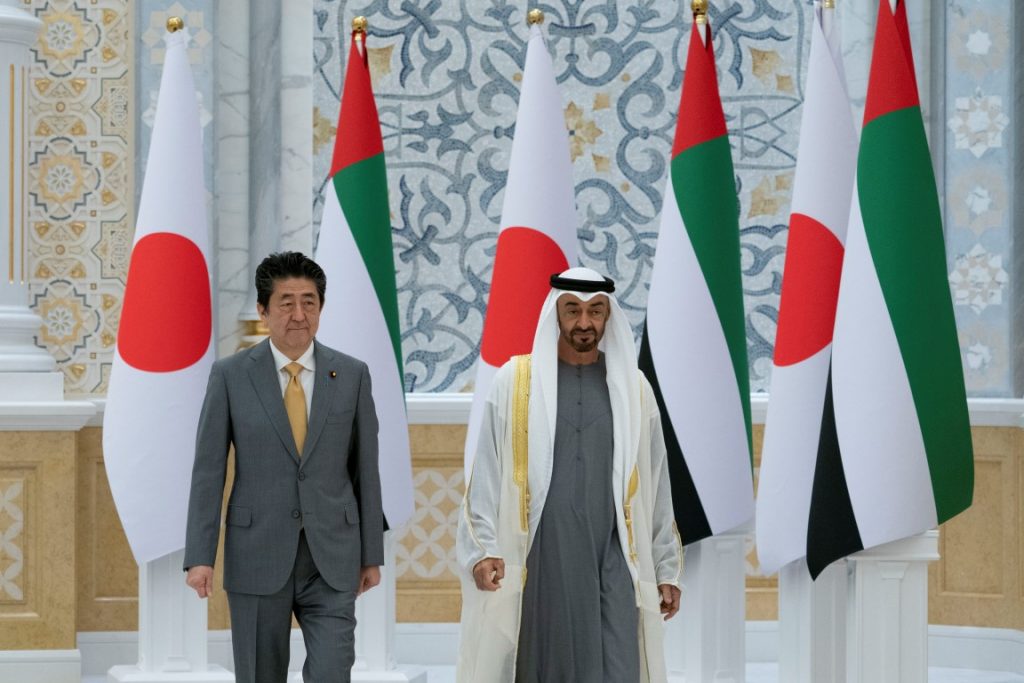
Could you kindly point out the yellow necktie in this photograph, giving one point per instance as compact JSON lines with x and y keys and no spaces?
{"x":295,"y":405}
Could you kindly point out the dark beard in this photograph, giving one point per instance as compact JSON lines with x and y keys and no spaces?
{"x":582,"y":347}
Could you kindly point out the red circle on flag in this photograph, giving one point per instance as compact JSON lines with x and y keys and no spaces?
{"x":523,"y":264}
{"x":810,"y":290}
{"x":166,"y":318}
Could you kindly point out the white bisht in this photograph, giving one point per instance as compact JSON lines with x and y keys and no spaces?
{"x":164,"y":342}
{"x":501,"y":511}
{"x":538,"y":226}
{"x":823,"y":187}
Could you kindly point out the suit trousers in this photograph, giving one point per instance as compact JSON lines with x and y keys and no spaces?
{"x":261,"y":627}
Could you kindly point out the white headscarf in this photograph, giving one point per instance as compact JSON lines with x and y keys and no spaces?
{"x":623,"y":388}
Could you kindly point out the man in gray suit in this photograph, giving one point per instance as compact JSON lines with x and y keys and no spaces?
{"x":304,"y":532}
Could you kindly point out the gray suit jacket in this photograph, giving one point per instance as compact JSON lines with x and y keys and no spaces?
{"x":333,"y":490}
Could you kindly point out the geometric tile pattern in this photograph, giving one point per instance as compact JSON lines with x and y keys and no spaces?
{"x":447,"y":77}
{"x":979,"y":199}
{"x":81,"y":199}
{"x":425,"y":547}
{"x":12,"y":520}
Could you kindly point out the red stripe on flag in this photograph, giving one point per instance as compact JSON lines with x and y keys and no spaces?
{"x":358,"y":135}
{"x":891,"y":84}
{"x":810,"y":290}
{"x":166,"y":317}
{"x":700,"y":110}
{"x":523,"y":264}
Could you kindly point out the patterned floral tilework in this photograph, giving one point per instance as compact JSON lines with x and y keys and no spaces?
{"x":80,"y":182}
{"x":978,"y":201}
{"x":447,"y":81}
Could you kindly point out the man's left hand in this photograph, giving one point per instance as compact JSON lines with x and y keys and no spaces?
{"x":669,"y":599}
{"x":368,"y":578}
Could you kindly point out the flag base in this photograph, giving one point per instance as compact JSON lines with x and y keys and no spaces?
{"x":172,"y":630}
{"x":375,"y":630}
{"x":812,"y":623}
{"x":133,"y":674}
{"x":705,"y":642}
{"x":888,"y":611}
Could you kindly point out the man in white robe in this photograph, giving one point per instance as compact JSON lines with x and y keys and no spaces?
{"x":567,"y":543}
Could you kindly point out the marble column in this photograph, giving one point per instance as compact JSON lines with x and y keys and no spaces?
{"x":231,"y":170}
{"x":281,"y":133}
{"x":27,"y":371}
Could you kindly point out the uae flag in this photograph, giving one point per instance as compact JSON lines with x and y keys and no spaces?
{"x":360,"y":315}
{"x":164,"y":346}
{"x":694,"y":347}
{"x":896,"y":459}
{"x":826,"y":161}
{"x":538,"y":227}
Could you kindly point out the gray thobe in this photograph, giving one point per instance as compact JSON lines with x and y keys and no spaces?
{"x":579,"y":617}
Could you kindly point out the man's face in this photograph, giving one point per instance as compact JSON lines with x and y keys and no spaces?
{"x":581,"y":323}
{"x":293,"y":314}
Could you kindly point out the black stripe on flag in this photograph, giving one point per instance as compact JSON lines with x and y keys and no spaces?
{"x":690,"y":517}
{"x":832,"y":531}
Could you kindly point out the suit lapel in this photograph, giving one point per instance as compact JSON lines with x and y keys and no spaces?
{"x":263,"y":375}
{"x":324,"y":387}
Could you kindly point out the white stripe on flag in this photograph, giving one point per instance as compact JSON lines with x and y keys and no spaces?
{"x":880,"y":441}
{"x":352,"y":322}
{"x":696,"y":376}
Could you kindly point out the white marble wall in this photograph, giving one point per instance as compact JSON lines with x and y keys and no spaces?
{"x":281,"y":130}
{"x":296,"y":95}
{"x":231,"y":173}
{"x":857,"y":18}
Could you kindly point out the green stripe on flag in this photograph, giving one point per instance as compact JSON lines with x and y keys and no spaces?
{"x":705,"y":190}
{"x":363,"y":194}
{"x":900,"y":206}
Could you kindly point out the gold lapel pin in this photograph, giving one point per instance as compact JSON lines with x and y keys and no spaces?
{"x":333,"y":374}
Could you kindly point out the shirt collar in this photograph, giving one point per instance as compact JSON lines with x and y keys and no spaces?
{"x":306,"y":360}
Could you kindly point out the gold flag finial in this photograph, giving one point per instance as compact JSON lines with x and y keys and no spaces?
{"x":175,"y":24}
{"x":359,"y":24}
{"x":700,"y":11}
{"x":534,"y":16}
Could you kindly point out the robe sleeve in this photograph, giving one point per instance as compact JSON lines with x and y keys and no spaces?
{"x":666,"y":546}
{"x":477,"y":536}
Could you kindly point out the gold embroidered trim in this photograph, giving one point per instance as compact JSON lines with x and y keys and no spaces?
{"x":634,"y":484}
{"x":520,"y":437}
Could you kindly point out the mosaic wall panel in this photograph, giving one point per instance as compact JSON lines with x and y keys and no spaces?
{"x":81,"y":182}
{"x":447,"y":78}
{"x":979,"y":202}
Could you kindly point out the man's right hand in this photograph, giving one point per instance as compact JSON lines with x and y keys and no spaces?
{"x":488,"y":573}
{"x":200,"y":579}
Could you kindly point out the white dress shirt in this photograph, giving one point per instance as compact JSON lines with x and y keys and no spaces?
{"x":308,"y":363}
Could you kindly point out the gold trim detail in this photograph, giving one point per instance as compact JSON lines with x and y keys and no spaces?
{"x":10,"y":183}
{"x":24,"y":164}
{"x":521,"y":437}
{"x":627,"y":509}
